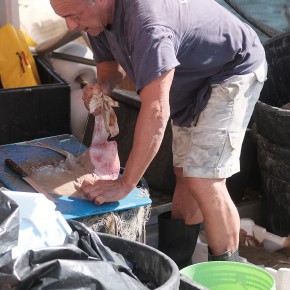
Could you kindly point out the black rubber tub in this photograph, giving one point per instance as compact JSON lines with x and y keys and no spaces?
{"x":273,"y":123}
{"x":274,"y":162}
{"x":149,"y":263}
{"x":271,"y":114}
{"x":272,"y":126}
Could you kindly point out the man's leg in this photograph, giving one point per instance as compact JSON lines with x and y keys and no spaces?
{"x":184,"y":205}
{"x":206,"y":153}
{"x":221,"y":218}
{"x":179,"y":229}
{"x":199,"y":199}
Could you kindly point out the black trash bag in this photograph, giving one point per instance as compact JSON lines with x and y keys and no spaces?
{"x":83,"y":262}
{"x":9,"y":227}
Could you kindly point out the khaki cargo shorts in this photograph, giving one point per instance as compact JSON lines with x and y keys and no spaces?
{"x":211,"y":147}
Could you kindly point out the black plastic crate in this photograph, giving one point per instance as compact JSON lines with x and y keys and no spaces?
{"x":28,"y":113}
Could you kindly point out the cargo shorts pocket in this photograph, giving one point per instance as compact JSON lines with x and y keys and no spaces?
{"x":206,"y":148}
{"x":236,"y":139}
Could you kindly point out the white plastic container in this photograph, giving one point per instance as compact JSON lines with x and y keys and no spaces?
{"x":281,"y":276}
{"x":270,"y":241}
{"x":40,"y":225}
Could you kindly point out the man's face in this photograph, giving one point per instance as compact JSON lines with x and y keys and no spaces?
{"x":81,"y":15}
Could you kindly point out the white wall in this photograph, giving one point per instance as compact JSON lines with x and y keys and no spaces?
{"x":9,"y":12}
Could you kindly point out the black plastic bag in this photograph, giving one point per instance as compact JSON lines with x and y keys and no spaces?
{"x":9,"y":227}
{"x":83,"y":262}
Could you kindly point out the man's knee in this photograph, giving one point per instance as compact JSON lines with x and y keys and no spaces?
{"x":206,"y":186}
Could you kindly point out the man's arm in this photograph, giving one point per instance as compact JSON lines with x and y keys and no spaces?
{"x":109,"y":74}
{"x":150,"y":127}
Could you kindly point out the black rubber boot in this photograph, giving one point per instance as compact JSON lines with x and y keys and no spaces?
{"x":176,"y":239}
{"x":227,"y":256}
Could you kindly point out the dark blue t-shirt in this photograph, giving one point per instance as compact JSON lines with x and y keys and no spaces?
{"x":203,"y":41}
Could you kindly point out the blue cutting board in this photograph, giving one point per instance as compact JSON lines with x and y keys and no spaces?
{"x":26,"y":155}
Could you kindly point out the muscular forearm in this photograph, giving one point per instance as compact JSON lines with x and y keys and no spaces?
{"x":148,"y":136}
{"x":150,"y":128}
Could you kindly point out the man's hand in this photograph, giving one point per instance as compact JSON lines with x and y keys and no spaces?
{"x":89,"y":91}
{"x":100,"y":191}
{"x":109,"y":74}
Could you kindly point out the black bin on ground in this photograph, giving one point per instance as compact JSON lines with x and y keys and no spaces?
{"x":274,"y":161}
{"x":28,"y":113}
{"x":149,"y":262}
{"x":272,"y":125}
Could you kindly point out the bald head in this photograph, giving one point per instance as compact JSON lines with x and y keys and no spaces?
{"x":91,"y":16}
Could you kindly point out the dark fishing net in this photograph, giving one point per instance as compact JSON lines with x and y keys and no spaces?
{"x":268,"y":17}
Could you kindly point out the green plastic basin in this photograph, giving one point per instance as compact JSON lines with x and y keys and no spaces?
{"x":229,"y":276}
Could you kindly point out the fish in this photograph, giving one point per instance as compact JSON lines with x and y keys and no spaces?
{"x":103,"y":154}
{"x":100,"y":161}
